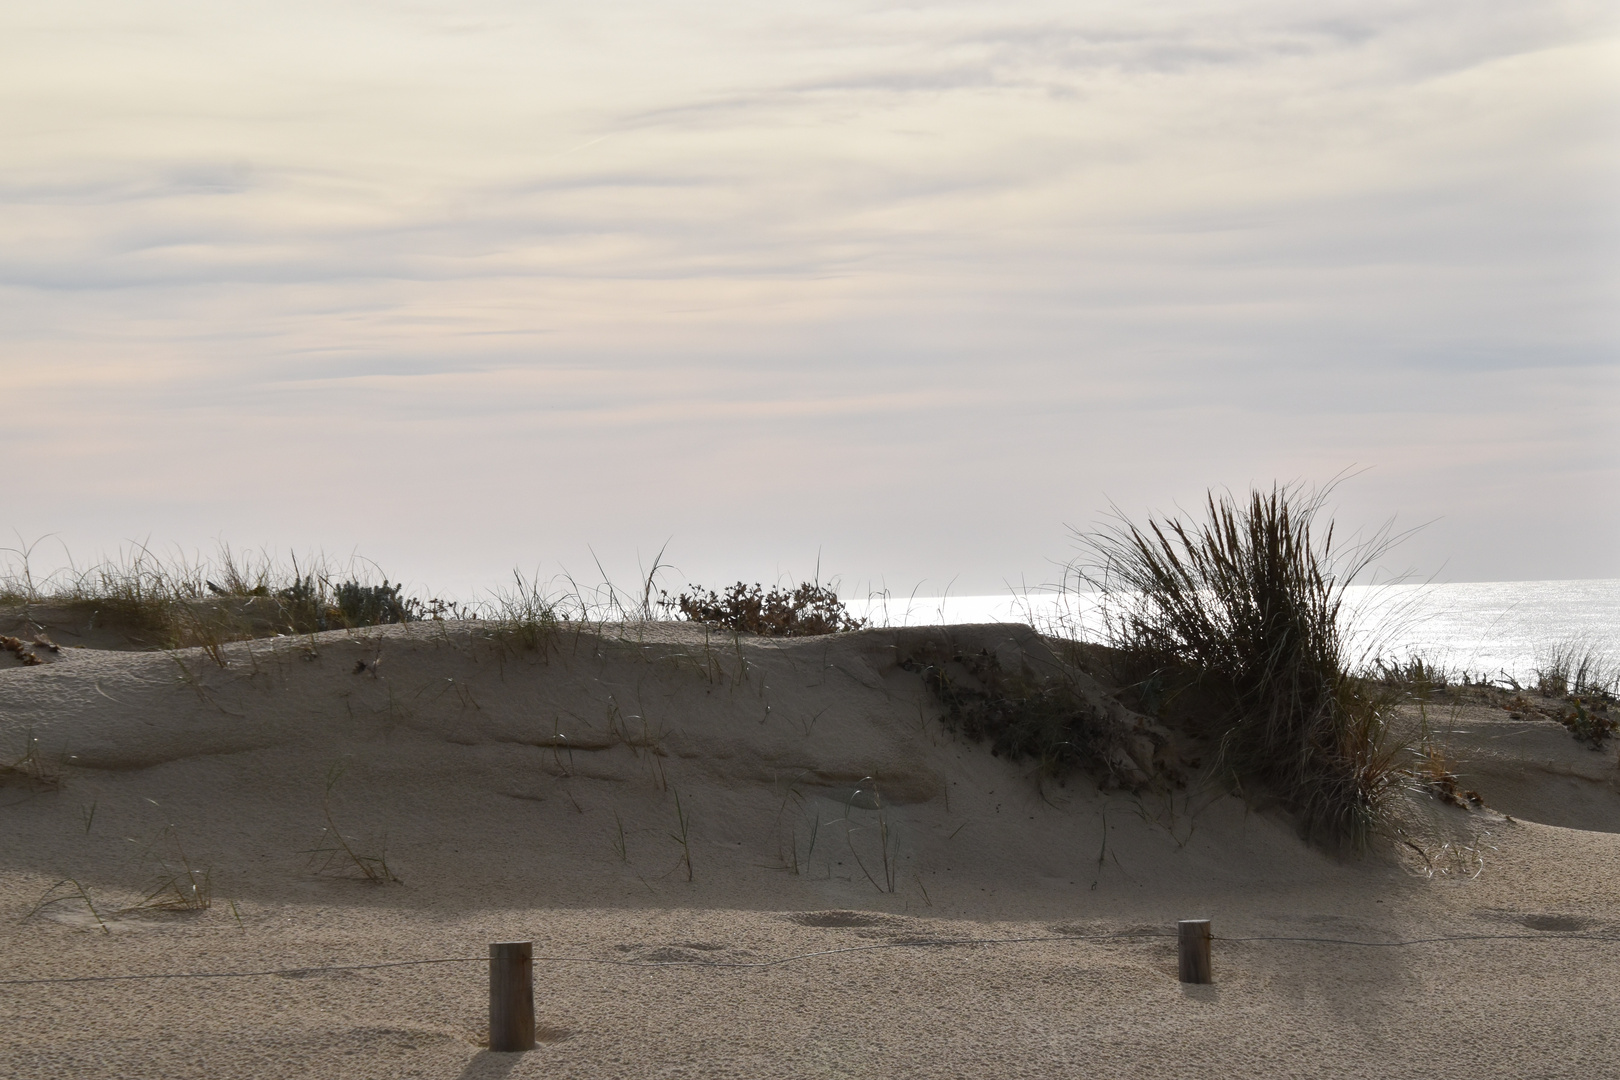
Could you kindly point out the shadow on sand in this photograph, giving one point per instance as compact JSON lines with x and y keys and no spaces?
{"x":489,"y":1065}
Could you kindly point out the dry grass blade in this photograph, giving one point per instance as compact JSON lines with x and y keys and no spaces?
{"x":682,"y":836}
{"x":56,"y":894}
{"x":180,"y":886}
{"x":31,"y":768}
{"x":335,"y":852}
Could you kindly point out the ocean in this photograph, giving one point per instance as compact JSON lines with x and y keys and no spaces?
{"x":1495,"y":630}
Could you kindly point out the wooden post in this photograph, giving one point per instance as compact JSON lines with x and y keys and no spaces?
{"x":511,"y":995}
{"x":1192,"y":936}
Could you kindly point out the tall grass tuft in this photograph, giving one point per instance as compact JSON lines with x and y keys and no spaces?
{"x":1243,"y":612}
{"x":1577,"y":667}
{"x":525,"y":615}
{"x":177,"y":602}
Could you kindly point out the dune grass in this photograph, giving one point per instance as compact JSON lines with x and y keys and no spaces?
{"x":1577,"y":668}
{"x":1415,"y":674}
{"x":524,"y":615}
{"x":179,"y":602}
{"x":1242,"y":612}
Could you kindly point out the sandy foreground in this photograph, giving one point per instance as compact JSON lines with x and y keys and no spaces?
{"x":523,"y":794}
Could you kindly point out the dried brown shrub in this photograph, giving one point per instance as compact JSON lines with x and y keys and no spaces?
{"x":810,"y":609}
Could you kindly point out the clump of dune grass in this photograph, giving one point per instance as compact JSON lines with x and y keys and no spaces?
{"x":180,"y":602}
{"x":1416,"y":674}
{"x":1576,"y":667}
{"x":1242,"y":611}
{"x":1433,"y":772}
{"x":179,"y":885}
{"x":809,"y":609}
{"x":1587,"y":681}
{"x":524,"y":615}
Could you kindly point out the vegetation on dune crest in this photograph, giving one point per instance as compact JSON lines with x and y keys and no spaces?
{"x":1577,"y":668}
{"x":176,"y":602}
{"x":1233,"y":623}
{"x":155,"y":602}
{"x":1242,"y":613}
{"x":810,"y":609}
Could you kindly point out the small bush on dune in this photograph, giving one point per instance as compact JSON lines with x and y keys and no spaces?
{"x":1023,"y":716}
{"x":1588,"y":719}
{"x":315,"y":603}
{"x":1243,"y":610}
{"x":810,"y":609}
{"x":371,"y":605}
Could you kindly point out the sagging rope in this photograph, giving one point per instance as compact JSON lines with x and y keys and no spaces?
{"x":757,"y":964}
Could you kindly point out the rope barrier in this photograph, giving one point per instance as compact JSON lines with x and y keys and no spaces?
{"x":240,"y":974}
{"x":942,"y":943}
{"x":1433,"y":940}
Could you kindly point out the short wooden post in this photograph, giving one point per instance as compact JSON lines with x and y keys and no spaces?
{"x":1192,"y":937}
{"x":511,"y":995}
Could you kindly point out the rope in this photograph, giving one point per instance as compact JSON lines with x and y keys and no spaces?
{"x":1433,"y":940}
{"x":944,"y":943}
{"x":239,"y":974}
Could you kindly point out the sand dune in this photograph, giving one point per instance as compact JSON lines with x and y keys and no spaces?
{"x":660,"y":793}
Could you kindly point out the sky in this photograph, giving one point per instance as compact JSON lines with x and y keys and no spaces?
{"x":904,"y":291}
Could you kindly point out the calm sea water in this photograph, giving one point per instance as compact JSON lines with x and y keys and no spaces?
{"x":1492,"y":629}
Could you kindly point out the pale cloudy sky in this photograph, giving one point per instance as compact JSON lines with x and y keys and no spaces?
{"x":474,"y":285}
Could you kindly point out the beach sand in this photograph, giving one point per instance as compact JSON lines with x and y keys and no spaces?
{"x":522,"y":794}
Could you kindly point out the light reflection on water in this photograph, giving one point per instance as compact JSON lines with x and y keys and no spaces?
{"x":1487,"y":628}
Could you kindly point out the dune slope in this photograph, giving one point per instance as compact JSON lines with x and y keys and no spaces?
{"x":665,"y":794}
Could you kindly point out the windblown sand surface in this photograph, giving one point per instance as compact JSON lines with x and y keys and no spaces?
{"x":518,"y":794}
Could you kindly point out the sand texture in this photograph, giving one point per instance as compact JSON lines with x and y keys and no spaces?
{"x":650,"y":802}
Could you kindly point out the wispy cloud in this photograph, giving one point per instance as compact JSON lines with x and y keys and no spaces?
{"x":642,"y":232}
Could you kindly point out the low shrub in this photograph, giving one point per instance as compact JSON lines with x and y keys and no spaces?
{"x":1024,"y":717}
{"x":1588,"y":719}
{"x":810,"y":609}
{"x":371,"y":605}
